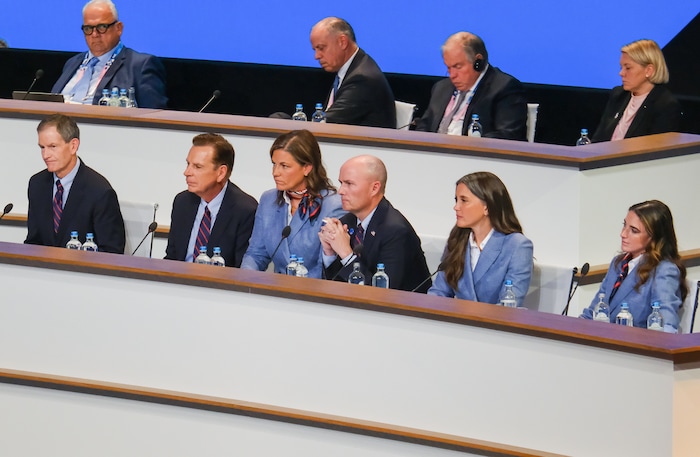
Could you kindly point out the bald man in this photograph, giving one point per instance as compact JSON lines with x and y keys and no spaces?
{"x":372,"y":232}
{"x":475,"y":87}
{"x":361,"y":94}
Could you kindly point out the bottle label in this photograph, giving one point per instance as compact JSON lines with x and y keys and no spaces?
{"x":508,"y":303}
{"x":601,"y":317}
{"x":655,"y":326}
{"x":624,"y":321}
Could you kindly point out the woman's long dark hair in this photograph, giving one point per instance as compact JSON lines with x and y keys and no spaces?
{"x":488,"y":188}
{"x":302,"y":145}
{"x":658,"y":222}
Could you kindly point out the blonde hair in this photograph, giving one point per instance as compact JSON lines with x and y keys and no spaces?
{"x":647,"y":52}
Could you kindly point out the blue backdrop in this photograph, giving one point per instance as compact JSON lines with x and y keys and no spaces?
{"x":541,"y":41}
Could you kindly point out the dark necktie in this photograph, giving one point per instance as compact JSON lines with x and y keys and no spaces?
{"x":203,"y":233}
{"x":57,"y":206}
{"x":447,"y":120}
{"x":623,"y":275}
{"x":359,"y":235}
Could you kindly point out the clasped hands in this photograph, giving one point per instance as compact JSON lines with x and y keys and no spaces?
{"x":335,"y":238}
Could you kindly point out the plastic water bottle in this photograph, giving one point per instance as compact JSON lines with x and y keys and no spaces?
{"x":203,"y":258}
{"x":601,"y":311}
{"x":356,"y":277}
{"x":74,"y":242}
{"x":319,"y":115}
{"x":508,"y":299}
{"x":299,"y":113}
{"x":104,"y":100}
{"x":624,"y":317}
{"x":89,"y":244}
{"x":123,"y":99}
{"x":302,"y":271}
{"x":217,"y":260}
{"x":114,"y":99}
{"x":380,"y":278}
{"x":655,"y":321}
{"x":292,"y":266}
{"x":584,"y":140}
{"x":132,"y":98}
{"x":474,"y":128}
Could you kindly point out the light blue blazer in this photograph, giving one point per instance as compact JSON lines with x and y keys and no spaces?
{"x":270,"y":220}
{"x":663,"y":286}
{"x":504,"y":257}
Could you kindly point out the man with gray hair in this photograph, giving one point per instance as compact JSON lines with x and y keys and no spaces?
{"x":361,"y":94}
{"x":70,"y":196}
{"x":108,"y":63}
{"x":372,"y":232}
{"x":475,"y":87}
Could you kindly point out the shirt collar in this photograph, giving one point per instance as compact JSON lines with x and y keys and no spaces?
{"x":67,"y":180}
{"x":344,"y":69}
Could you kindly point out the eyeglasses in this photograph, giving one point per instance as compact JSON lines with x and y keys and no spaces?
{"x":101,"y":28}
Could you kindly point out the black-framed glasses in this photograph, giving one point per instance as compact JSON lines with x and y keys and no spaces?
{"x":101,"y":28}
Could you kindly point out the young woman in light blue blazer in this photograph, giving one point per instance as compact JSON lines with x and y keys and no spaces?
{"x":302,"y":198}
{"x":654,"y":269}
{"x":486,"y":246}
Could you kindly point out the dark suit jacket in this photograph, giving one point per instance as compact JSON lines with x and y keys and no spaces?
{"x":364,"y":96}
{"x":130,"y":69}
{"x":660,"y":113}
{"x":391,"y":240}
{"x":499,"y":101}
{"x":231,"y":231}
{"x":92,"y":206}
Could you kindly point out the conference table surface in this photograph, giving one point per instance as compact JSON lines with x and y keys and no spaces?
{"x":592,"y":156}
{"x":677,"y":348}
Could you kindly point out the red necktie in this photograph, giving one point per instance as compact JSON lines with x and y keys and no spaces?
{"x":623,"y":275}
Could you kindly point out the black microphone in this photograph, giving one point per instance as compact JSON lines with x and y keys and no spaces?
{"x":574,"y":282}
{"x":7,"y":209}
{"x":151,"y":228}
{"x":216,"y":94}
{"x":695,"y":308}
{"x":357,"y":250}
{"x":39,"y":73}
{"x":285,"y":233}
{"x":439,"y":268}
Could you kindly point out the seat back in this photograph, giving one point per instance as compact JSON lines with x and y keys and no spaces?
{"x":688,"y":311}
{"x":404,"y":114}
{"x":137,"y":217}
{"x":532,"y":109}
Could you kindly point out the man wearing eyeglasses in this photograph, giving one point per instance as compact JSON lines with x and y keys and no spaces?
{"x":108,"y":63}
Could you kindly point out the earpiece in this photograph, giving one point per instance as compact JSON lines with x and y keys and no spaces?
{"x":478,"y":63}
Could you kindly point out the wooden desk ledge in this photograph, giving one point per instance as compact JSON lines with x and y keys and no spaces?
{"x":267,"y":412}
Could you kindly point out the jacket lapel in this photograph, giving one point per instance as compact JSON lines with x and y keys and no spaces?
{"x":488,"y":256}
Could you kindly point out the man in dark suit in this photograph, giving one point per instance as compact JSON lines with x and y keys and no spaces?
{"x":475,"y":87}
{"x":212,"y":212}
{"x":383,"y":232}
{"x":69,"y":195}
{"x":361,"y":94}
{"x":107,"y":63}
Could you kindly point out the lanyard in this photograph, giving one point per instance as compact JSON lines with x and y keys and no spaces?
{"x":83,"y":66}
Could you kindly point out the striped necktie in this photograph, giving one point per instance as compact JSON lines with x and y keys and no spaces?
{"x":57,"y":206}
{"x":203,"y":233}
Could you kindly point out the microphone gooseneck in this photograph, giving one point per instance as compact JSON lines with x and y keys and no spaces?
{"x":216,"y":94}
{"x":151,"y":228}
{"x":39,"y":73}
{"x":285,"y":234}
